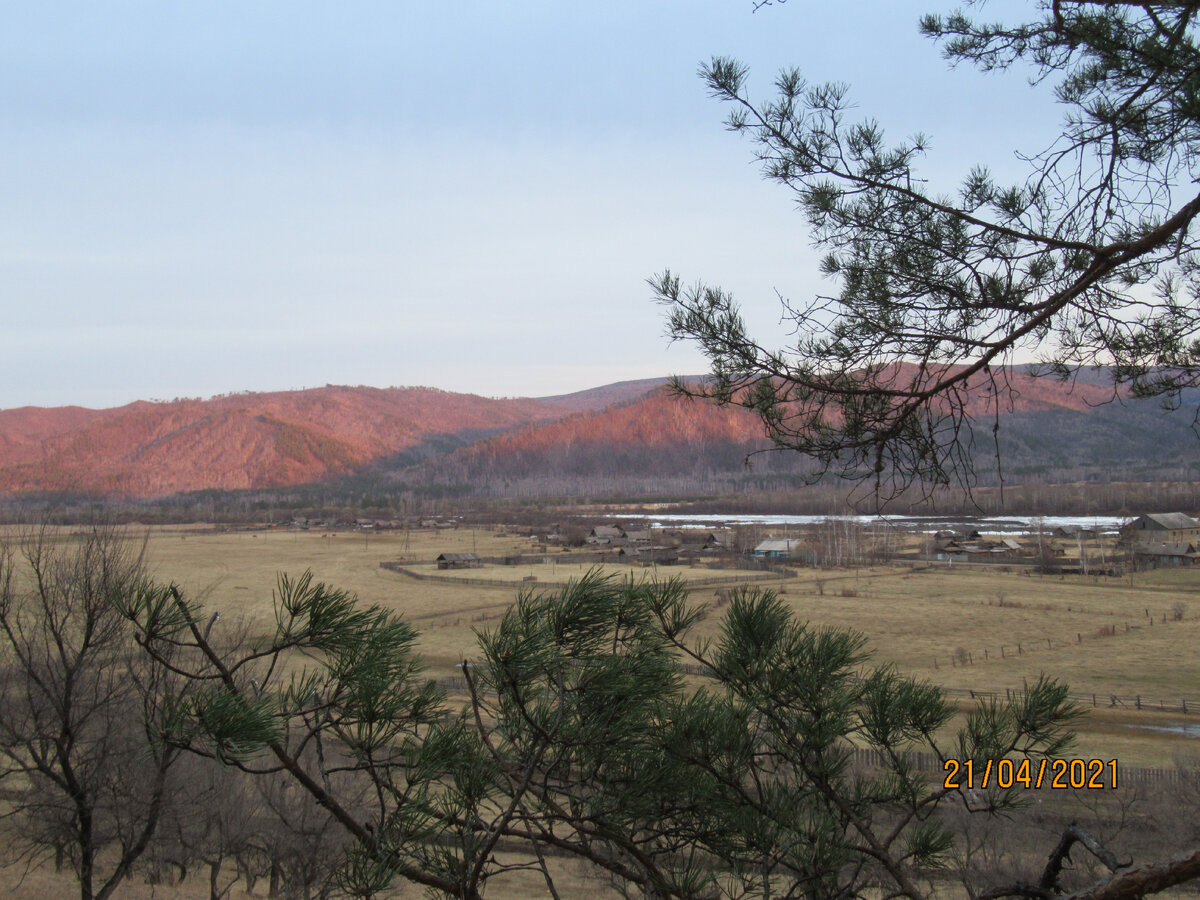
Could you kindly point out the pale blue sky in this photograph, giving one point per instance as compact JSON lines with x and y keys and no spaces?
{"x":203,"y":197}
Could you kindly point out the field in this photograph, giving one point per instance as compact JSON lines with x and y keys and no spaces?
{"x":986,"y":629}
{"x":1006,"y":625}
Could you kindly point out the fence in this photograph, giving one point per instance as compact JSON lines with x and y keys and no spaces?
{"x":1043,"y":644}
{"x":1141,"y":702}
{"x":496,"y":582}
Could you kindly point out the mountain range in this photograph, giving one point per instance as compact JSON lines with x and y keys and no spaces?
{"x":626,"y":437}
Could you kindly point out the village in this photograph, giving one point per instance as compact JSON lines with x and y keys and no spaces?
{"x":1152,"y":540}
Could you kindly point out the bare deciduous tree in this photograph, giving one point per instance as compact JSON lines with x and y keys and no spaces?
{"x":78,"y":706}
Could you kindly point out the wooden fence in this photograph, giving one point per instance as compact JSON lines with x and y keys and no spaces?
{"x":1026,"y":645}
{"x":496,"y":582}
{"x":1140,"y":702}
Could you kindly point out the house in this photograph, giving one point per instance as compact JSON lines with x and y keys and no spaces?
{"x":458,"y":561}
{"x":1074,"y":532}
{"x":974,"y":549}
{"x":657,"y":556}
{"x":1166,"y":553}
{"x":700,"y":539}
{"x":982,"y":550}
{"x":605,"y":534}
{"x":955,"y":538}
{"x":776,"y":548}
{"x":1171,"y":528}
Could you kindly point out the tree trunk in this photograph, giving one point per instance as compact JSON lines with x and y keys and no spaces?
{"x":214,"y":878}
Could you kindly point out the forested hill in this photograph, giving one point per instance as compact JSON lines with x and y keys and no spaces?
{"x":659,"y":444}
{"x":240,"y":441}
{"x":629,"y":437}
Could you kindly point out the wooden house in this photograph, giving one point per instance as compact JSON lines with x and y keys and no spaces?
{"x":459,"y":561}
{"x":776,"y":548}
{"x":1169,"y":528}
{"x":605,"y":534}
{"x":1166,"y":553}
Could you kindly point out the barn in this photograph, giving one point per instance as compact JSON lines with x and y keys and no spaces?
{"x":458,"y":561}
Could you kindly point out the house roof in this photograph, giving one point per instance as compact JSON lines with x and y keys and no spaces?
{"x":458,"y":557}
{"x":1164,"y":548}
{"x":1171,"y":521}
{"x":782,"y":545}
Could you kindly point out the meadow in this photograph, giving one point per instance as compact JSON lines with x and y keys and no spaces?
{"x":987,"y":629}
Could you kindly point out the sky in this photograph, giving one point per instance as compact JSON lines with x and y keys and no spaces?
{"x":199,"y":198}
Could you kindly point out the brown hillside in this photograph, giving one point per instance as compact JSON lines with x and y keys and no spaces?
{"x":286,"y":438}
{"x":28,"y":426}
{"x":657,"y":420}
{"x":1013,"y":390}
{"x":661,"y":444}
{"x":660,"y":419}
{"x":240,"y":441}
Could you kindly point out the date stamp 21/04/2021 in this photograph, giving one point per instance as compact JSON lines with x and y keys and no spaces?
{"x":1058,"y":774}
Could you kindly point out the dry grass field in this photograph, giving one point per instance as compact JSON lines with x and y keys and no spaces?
{"x":967,"y":628}
{"x":1094,"y":632}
